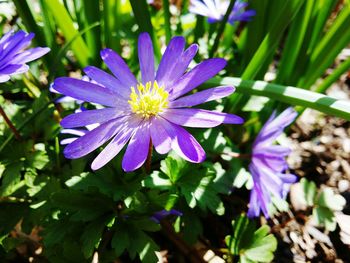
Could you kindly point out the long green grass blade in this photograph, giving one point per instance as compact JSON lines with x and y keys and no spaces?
{"x":288,"y":94}
{"x":167,"y":20}
{"x":295,"y":39}
{"x":322,"y":10}
{"x":327,"y":50}
{"x":334,"y":76}
{"x":143,"y":19}
{"x":66,"y":24}
{"x":111,"y":16}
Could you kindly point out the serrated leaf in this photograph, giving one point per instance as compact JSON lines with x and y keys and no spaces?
{"x":120,"y":240}
{"x":329,"y":199}
{"x":323,"y":216}
{"x":172,"y":167}
{"x":91,"y":237}
{"x":11,"y":181}
{"x":309,"y":189}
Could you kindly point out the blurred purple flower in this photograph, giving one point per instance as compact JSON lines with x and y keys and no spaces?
{"x":158,"y":216}
{"x":268,"y":164}
{"x":13,"y":57}
{"x":151,"y":110}
{"x":215,"y":10}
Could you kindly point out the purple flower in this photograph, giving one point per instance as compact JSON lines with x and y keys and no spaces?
{"x":158,"y":216}
{"x":268,"y":164}
{"x":215,"y":10}
{"x":152,"y":110}
{"x":13,"y":57}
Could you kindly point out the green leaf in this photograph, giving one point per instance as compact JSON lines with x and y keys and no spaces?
{"x":120,"y":240}
{"x":288,"y":94}
{"x":309,"y":189}
{"x":91,"y":237}
{"x":329,"y":199}
{"x":65,"y":23}
{"x":323,"y":216}
{"x":172,"y":167}
{"x":262,"y":247}
{"x":250,"y":244}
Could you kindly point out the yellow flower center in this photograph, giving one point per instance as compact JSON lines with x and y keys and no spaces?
{"x":148,"y":100}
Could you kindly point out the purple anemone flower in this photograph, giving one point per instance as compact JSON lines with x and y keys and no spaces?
{"x":141,"y":112}
{"x":215,"y":10}
{"x":268,"y":164}
{"x":13,"y":57}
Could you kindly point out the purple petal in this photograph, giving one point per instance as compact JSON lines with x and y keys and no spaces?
{"x":202,"y":97}
{"x":15,"y":43}
{"x":86,"y":91}
{"x":274,"y":127}
{"x":30,"y":55}
{"x":198,"y":75}
{"x":107,"y":80}
{"x":118,"y":67}
{"x":183,"y":143}
{"x":10,"y":69}
{"x":171,"y":54}
{"x":262,"y":196}
{"x":200,"y":118}
{"x":146,"y":57}
{"x":113,"y":148}
{"x":181,"y":64}
{"x":4,"y":78}
{"x":90,"y":117}
{"x":254,"y":206}
{"x":160,"y":138}
{"x":137,"y":151}
{"x":93,"y":139}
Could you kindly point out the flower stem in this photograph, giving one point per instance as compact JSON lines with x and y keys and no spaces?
{"x":149,"y":158}
{"x":221,"y":29}
{"x":238,"y":155}
{"x":167,"y":17}
{"x":9,"y":123}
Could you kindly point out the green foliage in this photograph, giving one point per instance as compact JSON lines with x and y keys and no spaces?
{"x":249,"y":243}
{"x":109,"y":213}
{"x":324,"y":203}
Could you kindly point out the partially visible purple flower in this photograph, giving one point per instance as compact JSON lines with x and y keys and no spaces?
{"x":152,"y":110}
{"x":268,"y":164}
{"x":215,"y":10}
{"x":13,"y":57}
{"x":158,"y":216}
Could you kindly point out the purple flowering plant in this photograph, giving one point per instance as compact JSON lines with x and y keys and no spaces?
{"x":150,"y":110}
{"x":268,"y":164}
{"x":215,"y":10}
{"x":161,"y":110}
{"x":14,"y":55}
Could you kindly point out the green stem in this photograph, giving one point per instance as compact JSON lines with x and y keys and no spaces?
{"x":9,"y":123}
{"x":30,"y":119}
{"x":221,"y":29}
{"x":167,"y":20}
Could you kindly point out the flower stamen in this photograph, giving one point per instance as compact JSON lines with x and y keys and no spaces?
{"x":148,"y":100}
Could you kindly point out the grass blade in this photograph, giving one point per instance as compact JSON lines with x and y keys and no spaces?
{"x":287,"y":94}
{"x":66,"y":24}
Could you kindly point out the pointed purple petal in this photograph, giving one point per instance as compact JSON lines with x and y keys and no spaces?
{"x":137,"y":151}
{"x":200,"y":118}
{"x":146,"y":57}
{"x":93,"y":139}
{"x":86,"y":91}
{"x":90,"y":117}
{"x":107,"y":80}
{"x":30,"y":55}
{"x":198,"y":75}
{"x":118,"y":67}
{"x":160,"y":138}
{"x":202,"y":97}
{"x":183,"y":143}
{"x":171,"y":54}
{"x":113,"y":148}
{"x":181,"y":64}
